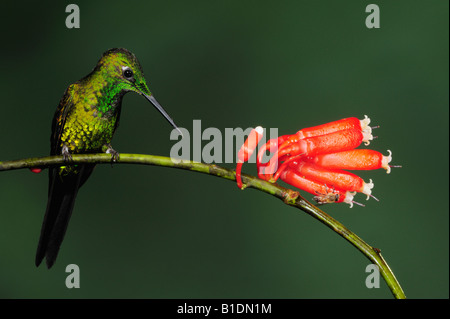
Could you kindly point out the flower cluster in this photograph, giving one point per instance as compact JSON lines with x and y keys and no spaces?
{"x":316,"y":159}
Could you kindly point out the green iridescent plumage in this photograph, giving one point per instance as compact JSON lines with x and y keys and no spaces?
{"x":97,"y":99}
{"x":84,"y":122}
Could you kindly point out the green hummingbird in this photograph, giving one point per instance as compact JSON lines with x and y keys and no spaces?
{"x":84,"y":122}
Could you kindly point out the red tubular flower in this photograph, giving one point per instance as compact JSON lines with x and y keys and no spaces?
{"x":323,"y":194}
{"x":333,"y":142}
{"x":315,"y":159}
{"x":344,"y":124}
{"x":271,"y":145}
{"x":331,"y":137}
{"x":247,"y":150}
{"x":336,"y":178}
{"x":332,"y":127}
{"x":360,"y":159}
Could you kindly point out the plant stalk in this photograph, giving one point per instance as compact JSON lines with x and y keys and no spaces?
{"x":289,"y":197}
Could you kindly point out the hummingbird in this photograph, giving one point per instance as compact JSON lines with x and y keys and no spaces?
{"x":84,"y":122}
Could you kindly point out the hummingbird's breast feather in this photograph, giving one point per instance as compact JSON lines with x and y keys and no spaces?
{"x":82,"y":134}
{"x":86,"y":128}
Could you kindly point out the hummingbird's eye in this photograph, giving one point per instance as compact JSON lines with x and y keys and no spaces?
{"x":128,"y":74}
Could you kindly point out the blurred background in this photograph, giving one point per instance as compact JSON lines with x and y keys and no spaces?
{"x":154,"y":232}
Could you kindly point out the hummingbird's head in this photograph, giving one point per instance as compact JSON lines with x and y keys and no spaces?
{"x":124,"y":70}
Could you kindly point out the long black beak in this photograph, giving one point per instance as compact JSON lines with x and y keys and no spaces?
{"x":162,"y":111}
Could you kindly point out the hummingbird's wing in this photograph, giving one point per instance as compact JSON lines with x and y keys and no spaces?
{"x":59,"y":119}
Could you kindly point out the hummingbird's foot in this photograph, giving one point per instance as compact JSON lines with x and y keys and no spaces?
{"x":107,"y":148}
{"x":66,"y":154}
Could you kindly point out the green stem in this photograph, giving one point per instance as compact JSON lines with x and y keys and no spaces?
{"x":288,"y":196}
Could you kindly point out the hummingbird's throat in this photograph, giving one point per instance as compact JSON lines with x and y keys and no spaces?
{"x":109,"y":99}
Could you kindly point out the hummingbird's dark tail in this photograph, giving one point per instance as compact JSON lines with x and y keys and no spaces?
{"x":61,"y":199}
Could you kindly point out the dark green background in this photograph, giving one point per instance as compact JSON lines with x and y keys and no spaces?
{"x":153,"y":232}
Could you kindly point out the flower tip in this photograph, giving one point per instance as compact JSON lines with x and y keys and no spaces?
{"x":259,"y":130}
{"x":367,"y":136}
{"x":367,"y":189}
{"x":385,"y":162}
{"x":366,"y":130}
{"x":349,"y":198}
{"x":365,"y":124}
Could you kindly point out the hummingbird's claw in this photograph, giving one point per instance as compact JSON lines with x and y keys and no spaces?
{"x":115,"y":156}
{"x":66,"y":154}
